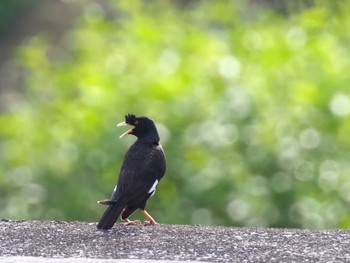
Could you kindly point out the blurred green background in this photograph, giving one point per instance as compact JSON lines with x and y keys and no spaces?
{"x":251,"y":99}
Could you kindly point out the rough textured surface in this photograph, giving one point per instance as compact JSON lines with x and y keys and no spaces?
{"x":55,"y":239}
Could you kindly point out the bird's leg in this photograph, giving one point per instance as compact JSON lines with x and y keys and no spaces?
{"x":128,"y":222}
{"x":150,"y":221}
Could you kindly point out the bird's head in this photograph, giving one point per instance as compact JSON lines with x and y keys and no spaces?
{"x":143,"y":126}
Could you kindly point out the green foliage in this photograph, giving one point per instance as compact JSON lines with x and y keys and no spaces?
{"x":253,"y":110}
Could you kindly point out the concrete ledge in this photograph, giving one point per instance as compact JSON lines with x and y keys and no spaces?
{"x":57,"y":241}
{"x":20,"y":259}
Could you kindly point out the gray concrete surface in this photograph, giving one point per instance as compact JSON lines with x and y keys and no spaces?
{"x":56,"y":241}
{"x":20,"y":259}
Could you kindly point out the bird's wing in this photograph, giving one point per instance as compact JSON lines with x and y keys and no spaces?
{"x":114,"y":193}
{"x":140,"y":174}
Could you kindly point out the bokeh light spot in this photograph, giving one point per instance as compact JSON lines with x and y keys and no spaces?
{"x":237,"y":210}
{"x":296,"y":37}
{"x":340,"y":105}
{"x":229,"y":67}
{"x":309,"y":139}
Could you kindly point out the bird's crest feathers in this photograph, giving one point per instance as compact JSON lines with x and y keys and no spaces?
{"x":130,"y":118}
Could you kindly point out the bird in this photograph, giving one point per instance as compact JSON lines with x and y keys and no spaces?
{"x":143,"y":167}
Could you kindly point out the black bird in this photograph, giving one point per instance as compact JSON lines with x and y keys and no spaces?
{"x":143,"y":167}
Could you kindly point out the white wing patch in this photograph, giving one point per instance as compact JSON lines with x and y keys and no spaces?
{"x":153,"y":188}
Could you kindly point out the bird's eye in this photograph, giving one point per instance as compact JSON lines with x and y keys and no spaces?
{"x":136,"y":122}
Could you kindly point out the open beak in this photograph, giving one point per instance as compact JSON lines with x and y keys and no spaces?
{"x":125,"y":133}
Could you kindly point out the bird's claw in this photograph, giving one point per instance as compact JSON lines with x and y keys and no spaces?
{"x":150,"y":223}
{"x":131,"y":223}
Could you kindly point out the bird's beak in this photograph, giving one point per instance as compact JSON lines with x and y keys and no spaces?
{"x":125,"y":133}
{"x":122,"y":124}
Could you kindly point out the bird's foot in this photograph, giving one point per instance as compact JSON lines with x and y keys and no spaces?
{"x":128,"y":222}
{"x":150,"y":223}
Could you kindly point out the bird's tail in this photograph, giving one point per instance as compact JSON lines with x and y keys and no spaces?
{"x":110,"y":216}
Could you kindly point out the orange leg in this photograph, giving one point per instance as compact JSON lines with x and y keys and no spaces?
{"x":150,"y":221}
